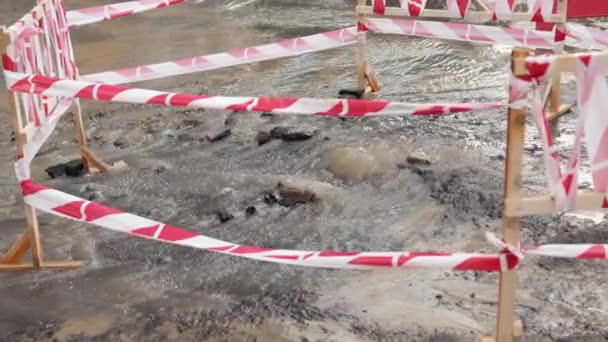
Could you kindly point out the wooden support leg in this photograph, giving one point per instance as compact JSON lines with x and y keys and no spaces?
{"x":88,"y":158}
{"x":553,"y":100}
{"x":366,"y":79}
{"x":30,"y":240}
{"x":34,"y":233}
{"x":18,"y":249}
{"x":511,"y":225}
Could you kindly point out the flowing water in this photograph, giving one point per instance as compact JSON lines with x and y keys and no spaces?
{"x":132,"y":289}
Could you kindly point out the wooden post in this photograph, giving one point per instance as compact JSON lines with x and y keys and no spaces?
{"x":361,"y":61}
{"x":88,"y":158}
{"x":30,"y":239}
{"x":556,"y":109}
{"x":366,"y":80}
{"x":511,"y":224}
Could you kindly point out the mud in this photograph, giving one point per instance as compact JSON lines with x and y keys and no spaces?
{"x":370,"y":197}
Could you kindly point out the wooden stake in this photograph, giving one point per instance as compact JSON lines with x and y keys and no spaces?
{"x":93,"y":160}
{"x":88,"y":158}
{"x":366,"y":79}
{"x":18,"y":250}
{"x":81,"y":134}
{"x":361,"y":61}
{"x":511,"y":224}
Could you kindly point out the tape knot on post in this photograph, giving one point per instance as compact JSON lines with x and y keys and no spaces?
{"x":508,"y":253}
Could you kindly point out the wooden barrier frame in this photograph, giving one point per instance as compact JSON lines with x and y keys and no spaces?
{"x":366,"y":80}
{"x":517,"y":206}
{"x":30,"y":239}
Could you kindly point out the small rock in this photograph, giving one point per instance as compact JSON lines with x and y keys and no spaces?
{"x":351,"y":93}
{"x":120,"y":143}
{"x":270,"y":198}
{"x":497,"y":157}
{"x":230,"y":120}
{"x":533,"y":148}
{"x":278,"y":132}
{"x":95,"y":196}
{"x":438,"y":296}
{"x":263,"y":138}
{"x":268,"y":115}
{"x":224,"y":134}
{"x":472,"y":295}
{"x":74,"y":168}
{"x":224,"y":216}
{"x":291,"y":195}
{"x":285,"y":134}
{"x":119,"y":166}
{"x":159,"y":170}
{"x":297,"y":136}
{"x":250,"y":211}
{"x":419,"y":158}
{"x":55,"y":171}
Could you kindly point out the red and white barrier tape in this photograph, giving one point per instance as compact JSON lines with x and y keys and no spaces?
{"x":464,"y":32}
{"x":61,"y":204}
{"x":43,"y":47}
{"x":541,"y":10}
{"x":96,"y":14}
{"x":585,"y":34}
{"x":591,"y":99}
{"x":330,"y":107}
{"x":286,"y":48}
{"x":575,"y":251}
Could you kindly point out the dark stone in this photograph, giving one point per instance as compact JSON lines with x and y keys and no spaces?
{"x":250,"y":211}
{"x":278,"y":132}
{"x":438,"y":296}
{"x":56,"y":171}
{"x":533,"y":148}
{"x":285,"y":134}
{"x":224,"y":134}
{"x":95,"y":196}
{"x":351,"y":93}
{"x":159,"y":170}
{"x":74,"y":168}
{"x":224,"y":216}
{"x":297,"y":136}
{"x":291,"y":196}
{"x":230,"y":120}
{"x":270,"y":198}
{"x":268,"y":115}
{"x":498,"y":157}
{"x":120,"y":143}
{"x":263,"y":138}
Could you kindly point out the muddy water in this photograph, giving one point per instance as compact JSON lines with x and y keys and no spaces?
{"x":132,"y":289}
